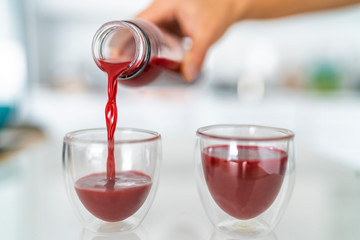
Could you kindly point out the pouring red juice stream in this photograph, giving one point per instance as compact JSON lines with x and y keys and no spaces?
{"x":102,"y":194}
{"x":114,"y":70}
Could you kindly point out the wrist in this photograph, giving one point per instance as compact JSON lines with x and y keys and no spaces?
{"x":266,"y":9}
{"x":242,"y":9}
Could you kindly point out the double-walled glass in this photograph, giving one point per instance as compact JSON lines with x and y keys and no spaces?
{"x":105,"y":205}
{"x":245,"y":176}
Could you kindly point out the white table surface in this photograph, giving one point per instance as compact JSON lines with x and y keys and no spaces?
{"x":325,"y":202}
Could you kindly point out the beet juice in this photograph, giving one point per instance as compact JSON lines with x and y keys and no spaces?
{"x":152,"y":70}
{"x":133,"y":53}
{"x":245,"y":176}
{"x":247,"y":184}
{"x":113,"y":196}
{"x":113,"y":200}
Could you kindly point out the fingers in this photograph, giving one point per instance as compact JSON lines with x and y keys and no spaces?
{"x":203,"y":39}
{"x":157,"y":13}
{"x":193,"y":61}
{"x":203,"y":27}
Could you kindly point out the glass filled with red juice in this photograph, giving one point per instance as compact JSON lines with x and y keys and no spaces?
{"x":245,"y":176}
{"x":111,"y":185}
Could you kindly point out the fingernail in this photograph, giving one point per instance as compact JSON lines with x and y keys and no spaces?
{"x":190,"y":72}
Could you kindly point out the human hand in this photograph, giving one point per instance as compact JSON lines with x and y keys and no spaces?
{"x":204,"y":21}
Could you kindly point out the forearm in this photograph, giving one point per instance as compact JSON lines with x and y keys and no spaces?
{"x":264,"y":9}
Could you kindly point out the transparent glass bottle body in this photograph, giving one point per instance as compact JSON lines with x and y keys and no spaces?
{"x":245,"y":181}
{"x":146,"y":51}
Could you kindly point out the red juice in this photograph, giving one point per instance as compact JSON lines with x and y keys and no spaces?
{"x":113,"y":200}
{"x":244,"y":180}
{"x":114,"y":70}
{"x":114,"y":196}
{"x":151,"y":71}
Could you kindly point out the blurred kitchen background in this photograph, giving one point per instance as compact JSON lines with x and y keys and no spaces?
{"x":300,"y":72}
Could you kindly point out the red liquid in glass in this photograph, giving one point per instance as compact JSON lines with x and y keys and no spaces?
{"x":152,"y":70}
{"x":244,"y":180}
{"x":113,"y":200}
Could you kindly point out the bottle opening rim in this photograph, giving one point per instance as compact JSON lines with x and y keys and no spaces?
{"x":142,"y":46}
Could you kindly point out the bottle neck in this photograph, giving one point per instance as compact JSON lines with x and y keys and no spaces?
{"x":122,"y":42}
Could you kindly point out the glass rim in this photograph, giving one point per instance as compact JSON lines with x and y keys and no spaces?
{"x":287,"y":134}
{"x":72,"y":136}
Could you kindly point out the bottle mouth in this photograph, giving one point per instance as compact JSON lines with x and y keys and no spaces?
{"x":122,"y":42}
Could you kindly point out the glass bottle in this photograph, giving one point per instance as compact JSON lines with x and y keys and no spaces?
{"x":143,"y":50}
